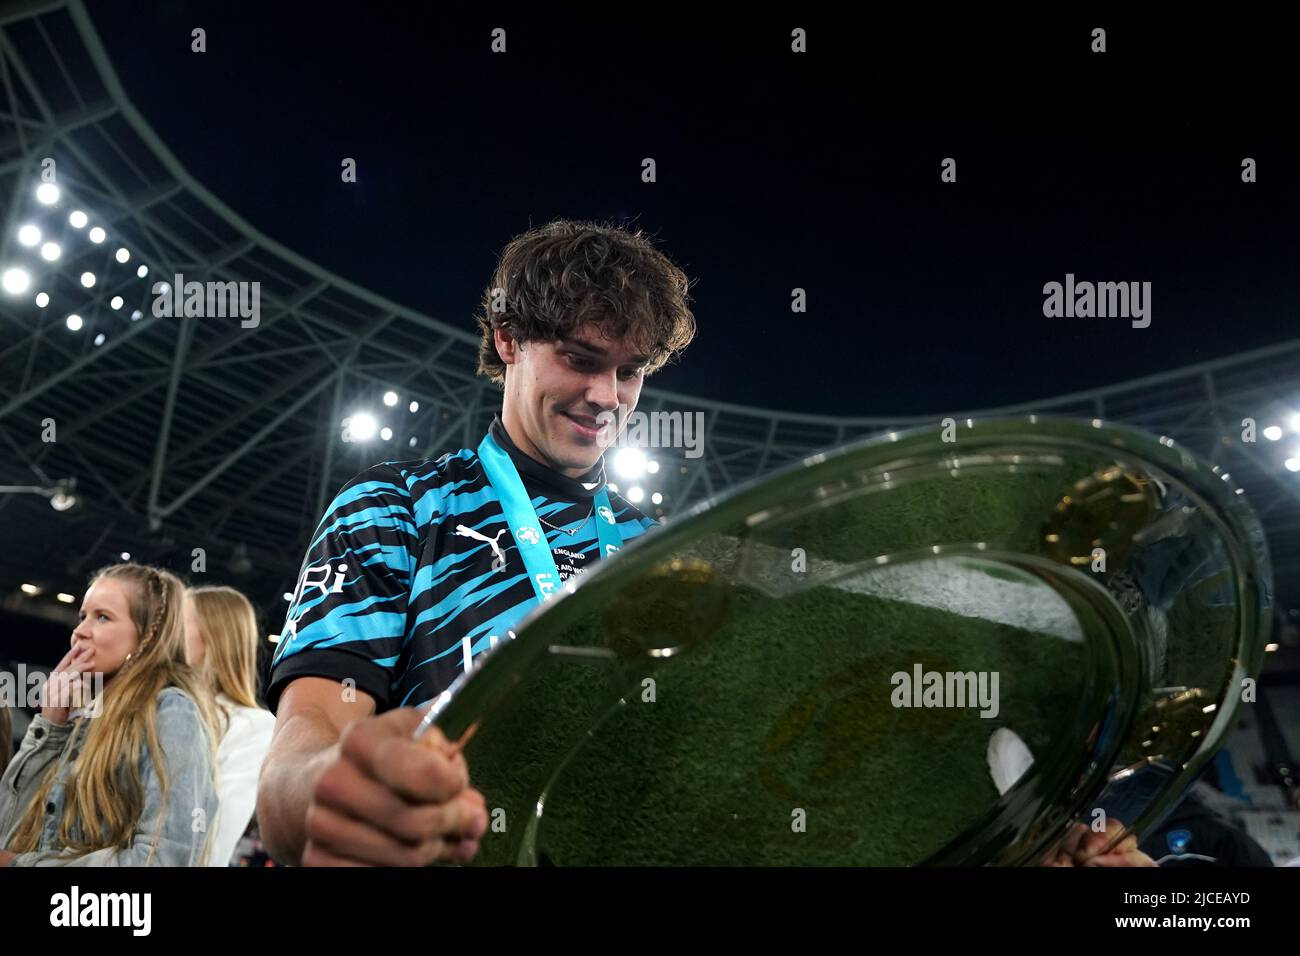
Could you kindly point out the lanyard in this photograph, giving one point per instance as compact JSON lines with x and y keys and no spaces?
{"x":521,"y":519}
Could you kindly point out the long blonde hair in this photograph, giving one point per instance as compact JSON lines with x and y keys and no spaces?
{"x":229,"y":627}
{"x":105,"y":795}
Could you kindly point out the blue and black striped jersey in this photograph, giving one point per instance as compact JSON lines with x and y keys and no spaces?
{"x":412,"y":571}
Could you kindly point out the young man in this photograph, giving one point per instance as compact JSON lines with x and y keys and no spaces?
{"x":419,"y":566}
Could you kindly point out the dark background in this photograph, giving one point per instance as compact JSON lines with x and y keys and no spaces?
{"x":774,"y":171}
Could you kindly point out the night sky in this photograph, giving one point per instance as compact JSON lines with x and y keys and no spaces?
{"x":775,"y":170}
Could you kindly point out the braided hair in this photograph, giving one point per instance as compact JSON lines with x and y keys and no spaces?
{"x":157,"y":606}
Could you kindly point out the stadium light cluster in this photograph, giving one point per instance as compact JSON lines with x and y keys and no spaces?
{"x":634,"y":464}
{"x":1277,"y":433}
{"x":42,"y":241}
{"x":363,"y":425}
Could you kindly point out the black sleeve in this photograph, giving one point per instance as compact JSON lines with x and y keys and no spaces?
{"x":347,"y":619}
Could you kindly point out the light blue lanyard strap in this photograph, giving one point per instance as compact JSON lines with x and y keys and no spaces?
{"x":607,"y":532}
{"x":521,"y":519}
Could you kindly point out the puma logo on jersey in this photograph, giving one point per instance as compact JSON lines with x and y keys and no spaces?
{"x":499,"y":561}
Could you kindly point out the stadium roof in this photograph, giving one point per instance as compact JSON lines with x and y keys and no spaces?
{"x":186,"y":434}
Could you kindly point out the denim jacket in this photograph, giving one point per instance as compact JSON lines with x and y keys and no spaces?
{"x":185,"y":821}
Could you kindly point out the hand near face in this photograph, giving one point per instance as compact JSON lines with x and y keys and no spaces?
{"x":68,"y":686}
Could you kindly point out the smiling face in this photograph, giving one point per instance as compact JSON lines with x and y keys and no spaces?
{"x":566,"y":402}
{"x":106,"y":624}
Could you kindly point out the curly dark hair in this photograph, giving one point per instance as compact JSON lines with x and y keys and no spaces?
{"x":564,"y":274}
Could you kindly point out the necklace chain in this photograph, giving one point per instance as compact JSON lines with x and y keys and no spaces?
{"x":568,"y":531}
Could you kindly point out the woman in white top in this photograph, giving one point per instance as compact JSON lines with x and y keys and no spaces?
{"x":221,"y":644}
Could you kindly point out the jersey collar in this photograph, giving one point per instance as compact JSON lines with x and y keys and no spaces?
{"x":538,"y":478}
